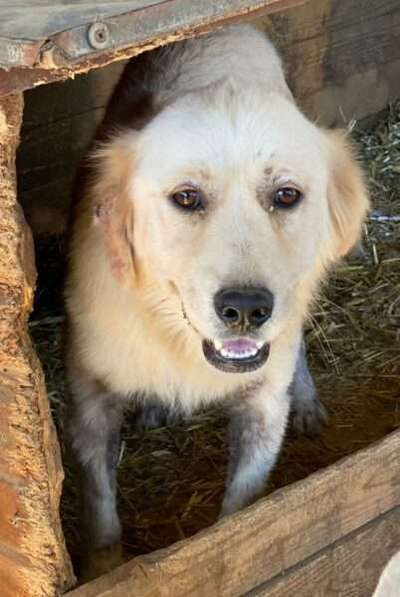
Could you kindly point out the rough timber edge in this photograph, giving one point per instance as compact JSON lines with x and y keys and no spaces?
{"x":26,"y":64}
{"x":34,"y":560}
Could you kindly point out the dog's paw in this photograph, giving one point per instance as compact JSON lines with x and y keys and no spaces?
{"x":309,"y":416}
{"x":99,"y":562}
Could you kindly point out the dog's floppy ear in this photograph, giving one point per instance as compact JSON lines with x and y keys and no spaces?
{"x":112,"y":203}
{"x":347,"y":194}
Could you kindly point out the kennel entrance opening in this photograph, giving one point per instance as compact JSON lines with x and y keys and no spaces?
{"x":33,"y":560}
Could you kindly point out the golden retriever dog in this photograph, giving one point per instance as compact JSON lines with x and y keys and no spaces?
{"x":211,"y":212}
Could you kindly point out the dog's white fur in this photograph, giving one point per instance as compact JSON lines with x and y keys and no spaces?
{"x":143,"y":274}
{"x":389,"y":581}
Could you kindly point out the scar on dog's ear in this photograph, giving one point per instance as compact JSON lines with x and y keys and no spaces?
{"x":112,"y":203}
{"x":347,"y":193}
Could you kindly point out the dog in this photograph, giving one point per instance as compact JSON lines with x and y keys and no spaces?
{"x":211,"y":211}
{"x":389,"y":580}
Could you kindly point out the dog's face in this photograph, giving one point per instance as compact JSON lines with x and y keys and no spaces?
{"x":231,"y":205}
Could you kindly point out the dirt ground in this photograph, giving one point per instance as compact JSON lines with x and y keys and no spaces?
{"x":171,"y":480}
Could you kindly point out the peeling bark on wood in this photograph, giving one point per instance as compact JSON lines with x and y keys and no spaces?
{"x":33,"y":559}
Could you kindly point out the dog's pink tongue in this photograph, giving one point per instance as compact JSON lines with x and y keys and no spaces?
{"x":241,"y":345}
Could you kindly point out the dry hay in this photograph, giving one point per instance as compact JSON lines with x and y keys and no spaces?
{"x":172,"y":479}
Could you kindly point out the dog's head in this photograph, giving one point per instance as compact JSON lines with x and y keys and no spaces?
{"x":225,"y":210}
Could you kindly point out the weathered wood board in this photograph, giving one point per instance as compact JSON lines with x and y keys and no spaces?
{"x":349,"y":567}
{"x":343,"y":62}
{"x":53,"y":41}
{"x":48,"y":17}
{"x":276,"y":534}
{"x":343,"y":58}
{"x":59,"y":123}
{"x":33,"y":558}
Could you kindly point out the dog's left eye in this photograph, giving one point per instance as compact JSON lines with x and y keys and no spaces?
{"x":287,"y":197}
{"x":189,"y":199}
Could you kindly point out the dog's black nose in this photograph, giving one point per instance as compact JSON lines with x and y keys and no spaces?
{"x":245,"y":308}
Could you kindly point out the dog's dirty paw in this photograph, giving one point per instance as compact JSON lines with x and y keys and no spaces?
{"x":100,"y":562}
{"x":309,"y":416}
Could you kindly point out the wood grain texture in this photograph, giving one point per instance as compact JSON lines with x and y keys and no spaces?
{"x":349,"y":568}
{"x":33,"y":559}
{"x":48,"y":17}
{"x":59,"y":37}
{"x":253,"y":546}
{"x":343,"y":57}
{"x":57,"y":130}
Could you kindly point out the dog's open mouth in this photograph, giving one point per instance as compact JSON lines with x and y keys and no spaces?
{"x":236,"y":356}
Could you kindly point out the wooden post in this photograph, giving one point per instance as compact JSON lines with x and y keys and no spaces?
{"x":33,"y":558}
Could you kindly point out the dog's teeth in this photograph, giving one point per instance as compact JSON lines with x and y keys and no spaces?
{"x":228,"y":354}
{"x":253,"y":352}
{"x":259,"y":345}
{"x":218,"y":345}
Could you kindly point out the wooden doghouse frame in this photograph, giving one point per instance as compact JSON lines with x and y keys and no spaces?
{"x":329,"y":534}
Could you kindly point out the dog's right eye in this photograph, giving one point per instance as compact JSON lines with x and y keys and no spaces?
{"x":287,"y":197}
{"x":189,"y":199}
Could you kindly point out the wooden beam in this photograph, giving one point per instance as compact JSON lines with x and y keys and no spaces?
{"x":33,"y":558}
{"x":253,"y":546}
{"x":69,"y":51}
{"x":351,"y":566}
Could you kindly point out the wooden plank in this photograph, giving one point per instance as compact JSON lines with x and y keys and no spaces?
{"x":55,"y":103}
{"x":36,"y":21}
{"x":26,"y":32}
{"x":343,"y":57}
{"x":59,"y":124}
{"x":47,"y":165}
{"x":33,"y":558}
{"x":69,"y":52}
{"x":276,"y":533}
{"x":350,"y":567}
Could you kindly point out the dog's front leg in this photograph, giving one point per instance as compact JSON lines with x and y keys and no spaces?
{"x":93,"y":425}
{"x":256,"y":432}
{"x":309,"y":414}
